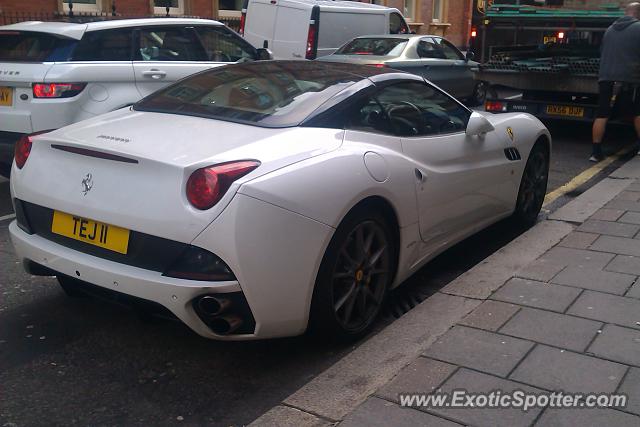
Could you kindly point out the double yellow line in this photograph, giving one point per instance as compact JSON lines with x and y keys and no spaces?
{"x":584,"y":176}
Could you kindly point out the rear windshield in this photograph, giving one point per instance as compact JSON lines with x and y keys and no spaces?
{"x":268,"y":94}
{"x":25,"y":46}
{"x":373,"y":46}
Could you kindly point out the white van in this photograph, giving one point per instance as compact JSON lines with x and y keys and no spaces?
{"x":308,"y":29}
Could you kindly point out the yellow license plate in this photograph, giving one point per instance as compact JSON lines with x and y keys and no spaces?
{"x":6,"y":96}
{"x":565,"y":110}
{"x":89,"y":231}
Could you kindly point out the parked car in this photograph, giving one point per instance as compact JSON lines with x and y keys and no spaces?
{"x":53,"y":73}
{"x":308,"y":29}
{"x":258,"y":199}
{"x":432,"y":57}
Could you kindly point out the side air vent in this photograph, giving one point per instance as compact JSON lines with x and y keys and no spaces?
{"x":512,"y":154}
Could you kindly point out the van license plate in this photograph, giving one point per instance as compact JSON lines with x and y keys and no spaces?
{"x":89,"y":231}
{"x":565,"y":110}
{"x":6,"y":96}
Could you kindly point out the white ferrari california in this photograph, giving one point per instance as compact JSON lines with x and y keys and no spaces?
{"x":263,"y":199}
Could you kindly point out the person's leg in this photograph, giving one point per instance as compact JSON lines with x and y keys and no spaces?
{"x":605,"y":106}
{"x":598,"y":130}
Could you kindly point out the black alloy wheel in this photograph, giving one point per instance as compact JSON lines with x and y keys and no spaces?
{"x":354,"y":277}
{"x":533,"y":186}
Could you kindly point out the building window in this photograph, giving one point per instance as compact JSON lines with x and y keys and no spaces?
{"x":83,"y":5}
{"x":176,"y":7}
{"x":229,"y":8}
{"x":438,"y":11}
{"x":409,"y":11}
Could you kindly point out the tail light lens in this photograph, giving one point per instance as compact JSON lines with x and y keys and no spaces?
{"x":495,"y":106}
{"x":243,"y":19}
{"x":377,"y":65}
{"x":23,"y":148}
{"x":206,"y":186}
{"x":57,"y":90}
{"x":312,"y":41}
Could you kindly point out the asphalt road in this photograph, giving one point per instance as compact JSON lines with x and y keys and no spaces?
{"x":70,"y":361}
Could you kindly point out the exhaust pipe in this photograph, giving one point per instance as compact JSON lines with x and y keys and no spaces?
{"x":225,"y":325}
{"x":213,"y":306}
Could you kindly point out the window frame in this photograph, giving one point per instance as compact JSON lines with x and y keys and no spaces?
{"x":403,"y":23}
{"x":109,"y":30}
{"x":450,"y":45}
{"x":233,"y":34}
{"x":429,"y":39}
{"x":441,"y":18}
{"x":413,"y":10}
{"x":380,"y":87}
{"x":162,"y":10}
{"x":81,"y":7}
{"x":137,"y":42}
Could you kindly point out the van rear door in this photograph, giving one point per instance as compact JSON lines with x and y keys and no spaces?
{"x":340,"y":26}
{"x":292,"y":30}
{"x":260,"y":22}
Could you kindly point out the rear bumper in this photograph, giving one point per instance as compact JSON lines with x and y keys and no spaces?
{"x":553,"y":110}
{"x":174,"y":294}
{"x":274,"y":253}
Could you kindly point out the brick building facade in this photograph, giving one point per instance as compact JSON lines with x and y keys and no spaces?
{"x":451,"y":18}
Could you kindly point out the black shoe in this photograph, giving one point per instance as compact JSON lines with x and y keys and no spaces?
{"x":595,"y":158}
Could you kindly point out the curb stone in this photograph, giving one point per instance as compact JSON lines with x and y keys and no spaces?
{"x":332,"y":395}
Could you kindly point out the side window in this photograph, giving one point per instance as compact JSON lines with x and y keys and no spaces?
{"x":427,"y":48}
{"x":108,"y":45}
{"x":369,"y":116}
{"x":169,"y":44}
{"x":222,"y":45}
{"x":397,"y":24}
{"x":418,"y":109}
{"x":449,"y":50}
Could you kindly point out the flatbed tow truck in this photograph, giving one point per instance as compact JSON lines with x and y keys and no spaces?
{"x":552,"y":60}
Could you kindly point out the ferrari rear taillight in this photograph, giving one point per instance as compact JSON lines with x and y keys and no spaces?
{"x":57,"y":90}
{"x":23,"y":148}
{"x":206,"y":186}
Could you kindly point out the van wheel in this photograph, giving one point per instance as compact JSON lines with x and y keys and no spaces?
{"x":354,"y":277}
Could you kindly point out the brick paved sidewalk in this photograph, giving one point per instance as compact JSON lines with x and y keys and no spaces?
{"x":568,"y":321}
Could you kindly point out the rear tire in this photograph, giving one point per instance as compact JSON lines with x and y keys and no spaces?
{"x":354,"y":276}
{"x":533,"y":186}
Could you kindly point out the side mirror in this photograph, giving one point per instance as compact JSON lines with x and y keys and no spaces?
{"x":478,"y":125}
{"x":470,"y":55}
{"x":263,"y":54}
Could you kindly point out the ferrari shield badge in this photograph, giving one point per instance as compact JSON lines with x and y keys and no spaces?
{"x":510,"y":133}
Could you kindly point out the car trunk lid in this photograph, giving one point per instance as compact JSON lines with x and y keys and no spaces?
{"x":137,"y":165}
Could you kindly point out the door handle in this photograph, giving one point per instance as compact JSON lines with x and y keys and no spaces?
{"x":426,"y":67}
{"x":419,"y":175}
{"x":154,"y":74}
